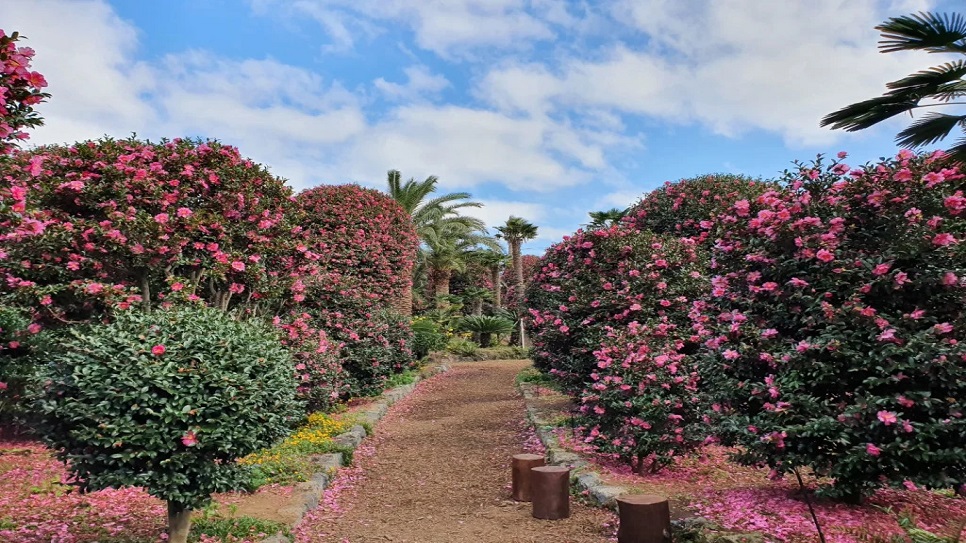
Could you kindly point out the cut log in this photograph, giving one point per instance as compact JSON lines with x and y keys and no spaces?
{"x":550,"y":491}
{"x":644,"y":518}
{"x":521,"y":465}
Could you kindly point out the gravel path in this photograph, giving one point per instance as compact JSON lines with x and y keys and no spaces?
{"x":437,"y":471}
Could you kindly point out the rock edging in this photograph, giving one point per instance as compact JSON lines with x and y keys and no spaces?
{"x":328,"y":464}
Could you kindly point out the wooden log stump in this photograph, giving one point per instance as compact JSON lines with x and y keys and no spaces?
{"x":550,"y":491}
{"x":521,"y":465}
{"x":644,"y":518}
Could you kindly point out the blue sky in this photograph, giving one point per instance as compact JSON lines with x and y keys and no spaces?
{"x":545,"y":109}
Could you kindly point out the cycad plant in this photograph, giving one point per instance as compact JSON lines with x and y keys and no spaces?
{"x":486,"y":326}
{"x":939,"y":86}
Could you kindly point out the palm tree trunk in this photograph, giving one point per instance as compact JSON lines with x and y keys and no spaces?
{"x":521,"y":296}
{"x":497,"y":290}
{"x":477,"y":307}
{"x":441,"y":288}
{"x":403,"y":303}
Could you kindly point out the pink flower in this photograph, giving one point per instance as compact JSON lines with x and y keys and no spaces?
{"x":34,"y":328}
{"x":944,"y":239}
{"x":177,"y":286}
{"x":909,"y":485}
{"x":943,"y":328}
{"x":3,"y":386}
{"x":238,"y":266}
{"x":842,"y":154}
{"x":872,"y":450}
{"x":824,"y":255}
{"x":731,"y":354}
{"x":950,"y":278}
{"x":184,"y":212}
{"x":189,"y":439}
{"x":887,"y":417}
{"x":769,"y":333}
{"x":161,"y":218}
{"x":158,"y":350}
{"x":881,"y":269}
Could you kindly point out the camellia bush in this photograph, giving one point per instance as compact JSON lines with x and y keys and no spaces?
{"x":109,"y":224}
{"x":20,"y":90}
{"x":364,"y":247}
{"x":610,"y":320}
{"x":692,"y":207}
{"x":834,"y":330}
{"x":167,"y":401}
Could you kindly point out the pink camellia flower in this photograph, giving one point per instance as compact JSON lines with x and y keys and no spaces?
{"x":769,"y":333}
{"x":950,"y":278}
{"x":881,"y":269}
{"x":184,"y":212}
{"x":888,"y":335}
{"x":189,"y":439}
{"x":825,"y":255}
{"x":917,"y":314}
{"x":943,"y":328}
{"x":3,"y":386}
{"x":238,"y":266}
{"x":842,"y":154}
{"x":158,"y":350}
{"x":34,"y":328}
{"x":731,"y":354}
{"x":177,"y":286}
{"x":944,"y":239}
{"x":161,"y":218}
{"x":909,"y":485}
{"x":873,"y":450}
{"x":887,"y":417}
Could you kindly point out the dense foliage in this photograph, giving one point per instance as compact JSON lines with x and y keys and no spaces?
{"x":166,"y":401}
{"x":835,"y":324}
{"x":19,"y":92}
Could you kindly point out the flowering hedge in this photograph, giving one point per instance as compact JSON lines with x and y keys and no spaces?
{"x":609,"y":313}
{"x":691,"y":207}
{"x":364,"y":247}
{"x":835,"y":324}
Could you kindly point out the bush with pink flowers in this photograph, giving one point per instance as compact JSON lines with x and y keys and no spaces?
{"x":692,"y":207}
{"x":609,"y":315}
{"x":364,"y":247}
{"x":20,"y":90}
{"x":834,"y":327}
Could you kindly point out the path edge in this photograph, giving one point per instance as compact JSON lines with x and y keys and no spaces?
{"x":328,"y":464}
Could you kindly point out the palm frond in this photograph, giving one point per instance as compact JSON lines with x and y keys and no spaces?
{"x":927,"y":82}
{"x":929,"y":129}
{"x":932,"y":32}
{"x":957,"y":153}
{"x":866,"y":113}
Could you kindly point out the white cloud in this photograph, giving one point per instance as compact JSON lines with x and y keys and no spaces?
{"x":420,"y":82}
{"x":496,"y":212}
{"x":732,"y":66}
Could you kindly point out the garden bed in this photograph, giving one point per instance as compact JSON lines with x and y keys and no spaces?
{"x":730,"y":497}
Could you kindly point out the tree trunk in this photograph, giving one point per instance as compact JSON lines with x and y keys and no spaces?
{"x":521,"y":296}
{"x":477,"y":307}
{"x":497,"y":291}
{"x":441,"y":288}
{"x":485,"y":339}
{"x":179,"y":522}
{"x":403,"y":303}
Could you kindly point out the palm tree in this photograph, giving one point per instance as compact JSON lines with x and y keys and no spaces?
{"x":493,"y":261}
{"x":438,"y":223}
{"x":603,"y":219}
{"x":447,"y":248}
{"x":515,"y":231}
{"x":943,"y":84}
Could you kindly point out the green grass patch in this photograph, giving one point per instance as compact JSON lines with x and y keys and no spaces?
{"x":229,"y":529}
{"x":536,"y":377}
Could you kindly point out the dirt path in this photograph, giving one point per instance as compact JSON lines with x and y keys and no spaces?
{"x":437,"y":471}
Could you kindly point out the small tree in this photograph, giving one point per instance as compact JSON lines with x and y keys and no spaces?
{"x":166,"y":401}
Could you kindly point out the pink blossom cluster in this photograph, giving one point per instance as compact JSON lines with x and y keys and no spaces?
{"x":20,"y":90}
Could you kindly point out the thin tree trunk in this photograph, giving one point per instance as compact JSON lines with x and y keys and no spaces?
{"x":497,"y":290}
{"x":146,"y":293}
{"x":477,"y":307}
{"x":521,"y":296}
{"x":179,"y":522}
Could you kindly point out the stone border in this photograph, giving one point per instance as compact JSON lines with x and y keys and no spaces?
{"x":328,"y":464}
{"x":582,"y":475}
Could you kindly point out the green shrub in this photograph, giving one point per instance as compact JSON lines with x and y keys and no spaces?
{"x":15,"y":367}
{"x":166,"y":401}
{"x":462,"y":347}
{"x":231,"y":529}
{"x":427,"y":337}
{"x":504,"y":352}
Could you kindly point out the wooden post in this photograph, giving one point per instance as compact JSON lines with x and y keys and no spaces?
{"x":550,"y":489}
{"x":644,"y":518}
{"x":521,"y":474}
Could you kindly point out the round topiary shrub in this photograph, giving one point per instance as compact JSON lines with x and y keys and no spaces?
{"x":835,"y":328}
{"x":166,"y":401}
